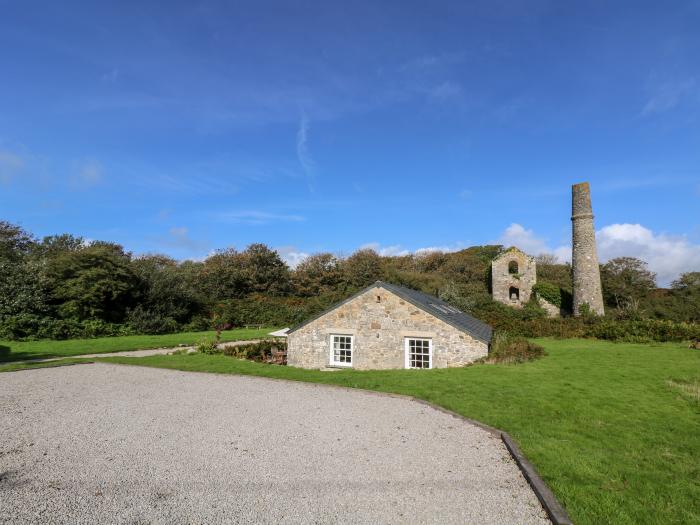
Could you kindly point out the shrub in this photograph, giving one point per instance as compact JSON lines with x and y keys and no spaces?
{"x":208,"y":346}
{"x":31,"y":327}
{"x":143,"y":321}
{"x":506,"y":348}
{"x":259,"y":351}
{"x":554,"y":294}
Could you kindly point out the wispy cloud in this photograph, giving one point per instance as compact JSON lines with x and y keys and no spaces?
{"x":11,"y":164}
{"x":179,"y":238}
{"x":256,"y":218}
{"x":669,"y":95}
{"x":90,"y":173}
{"x":305,"y":159}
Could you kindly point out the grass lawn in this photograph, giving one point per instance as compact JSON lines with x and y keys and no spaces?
{"x":17,"y":351}
{"x":614,"y":429}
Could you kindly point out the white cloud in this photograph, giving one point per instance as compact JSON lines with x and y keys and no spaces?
{"x":257,"y":218}
{"x":526,"y":240}
{"x":667,"y":255}
{"x":11,"y":165}
{"x":305,"y":159}
{"x":291,"y":255}
{"x":397,"y":250}
{"x":386,"y":251}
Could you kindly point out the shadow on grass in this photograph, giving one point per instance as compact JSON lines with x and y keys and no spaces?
{"x":4,"y":352}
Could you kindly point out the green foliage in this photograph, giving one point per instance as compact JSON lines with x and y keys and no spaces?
{"x":259,"y":351}
{"x":362,"y":268}
{"x":30,"y":327}
{"x":63,"y":278}
{"x":96,"y":282}
{"x":208,"y":346}
{"x":506,"y":348}
{"x":549,"y":292}
{"x":143,"y":321}
{"x":626,"y":282}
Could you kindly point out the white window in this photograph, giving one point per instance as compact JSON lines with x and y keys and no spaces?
{"x":419,"y":353}
{"x":341,"y":350}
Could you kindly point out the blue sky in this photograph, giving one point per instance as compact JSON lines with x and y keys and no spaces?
{"x":182,"y":127}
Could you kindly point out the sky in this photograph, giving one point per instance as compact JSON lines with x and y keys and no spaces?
{"x":185,"y":127}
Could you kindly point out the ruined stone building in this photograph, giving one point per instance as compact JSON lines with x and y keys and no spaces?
{"x":388,"y":326}
{"x":513,"y":274}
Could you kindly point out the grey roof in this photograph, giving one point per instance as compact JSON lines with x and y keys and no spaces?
{"x":428,"y":303}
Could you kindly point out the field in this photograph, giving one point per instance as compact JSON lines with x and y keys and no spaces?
{"x":614,"y":429}
{"x":18,"y":351}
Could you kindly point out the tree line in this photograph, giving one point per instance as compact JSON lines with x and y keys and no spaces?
{"x":64,"y":286}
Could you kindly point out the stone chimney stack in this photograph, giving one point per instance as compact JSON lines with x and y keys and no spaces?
{"x":584,"y":260}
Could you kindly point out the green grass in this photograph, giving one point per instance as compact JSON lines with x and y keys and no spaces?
{"x":22,"y":350}
{"x":607,"y":425}
{"x":14,"y":367}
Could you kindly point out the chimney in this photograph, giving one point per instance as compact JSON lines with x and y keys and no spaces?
{"x":584,"y":260}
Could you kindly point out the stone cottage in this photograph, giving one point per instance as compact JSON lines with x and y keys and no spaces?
{"x":387,"y":326}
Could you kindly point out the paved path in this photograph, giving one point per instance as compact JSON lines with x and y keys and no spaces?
{"x":104,"y":443}
{"x":139,"y":353}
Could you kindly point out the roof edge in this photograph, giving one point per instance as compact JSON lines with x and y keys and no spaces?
{"x":396,"y":290}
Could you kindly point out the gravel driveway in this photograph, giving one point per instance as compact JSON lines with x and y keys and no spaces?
{"x":120,"y":444}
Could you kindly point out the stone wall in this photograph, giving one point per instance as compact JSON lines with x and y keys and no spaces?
{"x":503,"y":281}
{"x":380,"y":321}
{"x":586,"y":272}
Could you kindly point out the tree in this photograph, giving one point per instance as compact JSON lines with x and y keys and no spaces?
{"x":222,"y":276}
{"x":95,"y":282}
{"x":626,"y":280}
{"x":164,"y":290}
{"x":317,"y":274}
{"x":265,"y":271}
{"x":686,"y":291}
{"x":21,"y":284}
{"x":362,"y":268}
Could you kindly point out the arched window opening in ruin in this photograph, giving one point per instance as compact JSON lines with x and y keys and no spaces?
{"x":514,"y":293}
{"x":513,"y":267}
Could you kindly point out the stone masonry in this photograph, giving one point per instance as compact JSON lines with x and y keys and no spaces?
{"x":513,"y":274}
{"x":586,"y":272}
{"x":380,"y":321}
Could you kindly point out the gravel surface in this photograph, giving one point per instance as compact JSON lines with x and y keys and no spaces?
{"x":120,"y":444}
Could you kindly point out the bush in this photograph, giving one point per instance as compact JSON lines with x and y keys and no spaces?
{"x":259,"y":351}
{"x":31,"y":327}
{"x":506,"y":348}
{"x":208,"y":346}
{"x":144,"y":321}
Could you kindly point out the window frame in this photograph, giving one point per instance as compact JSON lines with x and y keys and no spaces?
{"x":331,"y":357}
{"x":407,"y":352}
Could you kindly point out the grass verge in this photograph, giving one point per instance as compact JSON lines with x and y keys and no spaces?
{"x":14,"y":367}
{"x":602,"y":422}
{"x":23,"y":350}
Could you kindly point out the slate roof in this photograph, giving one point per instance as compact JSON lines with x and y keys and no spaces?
{"x":428,"y":303}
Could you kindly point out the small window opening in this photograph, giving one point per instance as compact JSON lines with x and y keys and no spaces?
{"x":513,"y":267}
{"x":379,"y":298}
{"x":514,"y":293}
